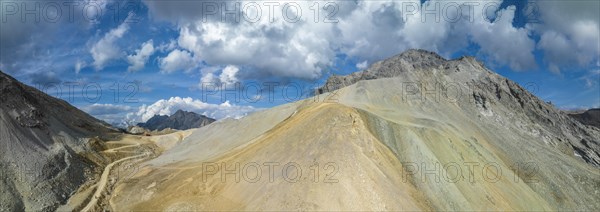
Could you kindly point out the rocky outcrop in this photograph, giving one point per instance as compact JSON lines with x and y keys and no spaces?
{"x":45,"y":148}
{"x":590,"y":117}
{"x":135,"y":130}
{"x":405,"y":63}
{"x":180,"y":120}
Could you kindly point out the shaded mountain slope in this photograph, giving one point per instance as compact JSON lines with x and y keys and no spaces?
{"x":590,"y":117}
{"x":45,"y":153}
{"x":180,"y":120}
{"x":379,"y":145}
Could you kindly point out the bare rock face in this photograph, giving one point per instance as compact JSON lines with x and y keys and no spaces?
{"x":180,"y":120}
{"x":135,"y":130}
{"x":405,"y":63}
{"x":44,"y":148}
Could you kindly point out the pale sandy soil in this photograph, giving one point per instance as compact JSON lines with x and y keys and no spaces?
{"x":362,"y":151}
{"x":360,"y":144}
{"x":366,"y":147}
{"x":126,"y":152}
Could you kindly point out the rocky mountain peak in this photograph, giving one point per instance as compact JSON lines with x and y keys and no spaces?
{"x":180,"y":120}
{"x":418,"y":55}
{"x":416,"y":62}
{"x":182,"y":113}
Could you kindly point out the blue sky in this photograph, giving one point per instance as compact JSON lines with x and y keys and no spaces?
{"x":128,"y":60}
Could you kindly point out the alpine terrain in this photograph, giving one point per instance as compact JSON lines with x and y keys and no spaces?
{"x":47,"y":148}
{"x":413,"y":132}
{"x":199,"y":105}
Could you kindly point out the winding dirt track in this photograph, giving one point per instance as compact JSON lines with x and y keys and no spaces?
{"x":131,"y":144}
{"x":103,"y":181}
{"x":101,"y":185}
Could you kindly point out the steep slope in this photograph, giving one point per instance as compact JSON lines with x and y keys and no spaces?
{"x":388,"y":141}
{"x":590,"y":117}
{"x":45,"y":153}
{"x":180,"y":120}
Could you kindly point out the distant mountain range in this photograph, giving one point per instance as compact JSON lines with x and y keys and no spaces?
{"x":590,"y":117}
{"x":180,"y":120}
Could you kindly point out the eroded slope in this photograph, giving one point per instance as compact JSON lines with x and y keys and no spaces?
{"x":384,"y":144}
{"x":46,"y":148}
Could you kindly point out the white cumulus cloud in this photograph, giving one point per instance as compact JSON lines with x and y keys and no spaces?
{"x":105,"y":49}
{"x":177,"y":60}
{"x":503,"y":43}
{"x":138,"y":60}
{"x":365,"y":30}
{"x":171,"y":105}
{"x":362,"y":65}
{"x":228,"y":75}
{"x":569,"y":33}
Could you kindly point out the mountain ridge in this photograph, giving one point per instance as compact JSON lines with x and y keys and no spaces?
{"x":589,"y":117}
{"x":410,"y":61}
{"x":180,"y":120}
{"x":375,"y":130}
{"x":476,"y":83}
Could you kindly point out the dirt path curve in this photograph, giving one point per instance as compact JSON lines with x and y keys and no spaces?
{"x":131,"y":144}
{"x":122,"y":147}
{"x":104,"y":180}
